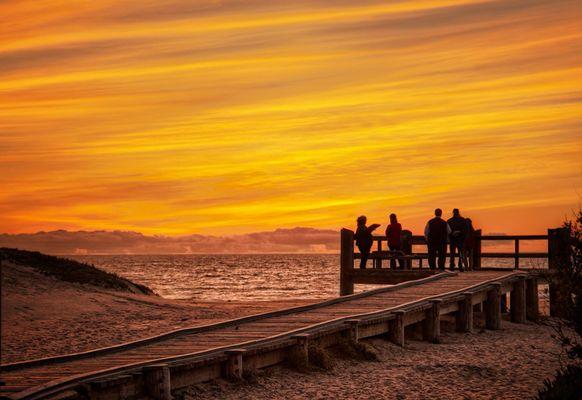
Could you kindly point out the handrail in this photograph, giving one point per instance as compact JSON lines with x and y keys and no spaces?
{"x":417,"y":240}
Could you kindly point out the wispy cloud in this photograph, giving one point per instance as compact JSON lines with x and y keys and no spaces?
{"x":231,"y":116}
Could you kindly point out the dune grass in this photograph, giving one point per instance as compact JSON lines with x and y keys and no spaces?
{"x":71,"y":271}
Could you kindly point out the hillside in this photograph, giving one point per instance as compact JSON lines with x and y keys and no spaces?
{"x":71,"y":271}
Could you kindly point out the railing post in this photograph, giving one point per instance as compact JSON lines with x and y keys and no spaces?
{"x":346,"y":262}
{"x":465,"y":314}
{"x":378,"y":261}
{"x":396,"y":328}
{"x":406,"y":237}
{"x":432,"y":326}
{"x":532,"y":299}
{"x":493,"y":308}
{"x":558,"y":252}
{"x":157,"y":381}
{"x":477,"y":250}
{"x":516,"y":253}
{"x":518,"y":301}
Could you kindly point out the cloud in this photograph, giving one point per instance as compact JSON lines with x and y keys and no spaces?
{"x":296,"y":240}
{"x":225,"y":117}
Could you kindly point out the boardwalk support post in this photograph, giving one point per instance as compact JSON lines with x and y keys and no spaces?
{"x":432,"y":323}
{"x":300,"y":352}
{"x":234,"y":363}
{"x":465,"y":314}
{"x":493,"y":307}
{"x":518,"y":301}
{"x":558,"y":250}
{"x":532,"y":299}
{"x":157,"y":381}
{"x":346,"y":262}
{"x":353,"y":333}
{"x":396,"y":328}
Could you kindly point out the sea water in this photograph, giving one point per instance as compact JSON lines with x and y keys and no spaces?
{"x":246,"y":277}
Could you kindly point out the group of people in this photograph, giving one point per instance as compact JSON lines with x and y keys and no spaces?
{"x":457,"y":232}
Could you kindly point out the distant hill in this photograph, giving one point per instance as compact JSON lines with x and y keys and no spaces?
{"x":295,"y":240}
{"x":71,"y":271}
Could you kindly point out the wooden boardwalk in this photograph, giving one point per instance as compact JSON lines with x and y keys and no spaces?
{"x":193,"y":355}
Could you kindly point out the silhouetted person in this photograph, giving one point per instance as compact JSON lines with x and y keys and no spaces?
{"x":436,"y":233}
{"x":364,"y":239}
{"x":457,"y":238}
{"x":393,"y":234}
{"x":467,"y":252}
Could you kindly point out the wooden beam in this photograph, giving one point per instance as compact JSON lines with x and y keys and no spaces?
{"x":397,"y":328}
{"x":493,"y":308}
{"x":300,"y":352}
{"x":234,"y":364}
{"x":353,"y":333}
{"x":464,"y":318}
{"x":532,"y":299}
{"x":477,"y":250}
{"x":346,"y":262}
{"x":157,"y":381}
{"x":432,"y":324}
{"x":518,"y":301}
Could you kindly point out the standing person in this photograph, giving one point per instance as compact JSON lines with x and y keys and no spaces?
{"x":364,"y":239}
{"x":393,"y":234}
{"x":436,"y":233}
{"x":468,"y":245}
{"x":457,"y":238}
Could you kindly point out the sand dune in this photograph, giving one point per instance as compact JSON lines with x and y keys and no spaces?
{"x":43,"y":316}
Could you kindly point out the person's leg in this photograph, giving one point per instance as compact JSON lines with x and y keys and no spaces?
{"x":469,"y":259}
{"x":442,"y":255}
{"x":462,"y":260}
{"x":392,"y":261}
{"x":452,"y":255}
{"x":431,"y":256}
{"x":364,"y":251}
{"x":398,"y":250}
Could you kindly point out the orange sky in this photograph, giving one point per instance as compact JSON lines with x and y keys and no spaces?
{"x":221,"y":117}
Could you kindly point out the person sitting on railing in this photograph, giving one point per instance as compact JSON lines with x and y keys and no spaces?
{"x":393,"y":235}
{"x":467,"y":250}
{"x":436,"y":233}
{"x":364,"y":239}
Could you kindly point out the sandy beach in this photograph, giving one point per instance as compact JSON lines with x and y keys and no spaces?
{"x":508,"y":364}
{"x":43,"y":316}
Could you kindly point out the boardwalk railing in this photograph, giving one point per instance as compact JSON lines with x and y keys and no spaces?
{"x":556,"y":244}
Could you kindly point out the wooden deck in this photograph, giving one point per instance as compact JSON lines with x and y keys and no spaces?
{"x":202,"y":353}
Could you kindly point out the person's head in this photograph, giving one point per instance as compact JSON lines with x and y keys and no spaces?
{"x":393,"y":219}
{"x":456,"y":212}
{"x":362,"y":220}
{"x":438,"y":212}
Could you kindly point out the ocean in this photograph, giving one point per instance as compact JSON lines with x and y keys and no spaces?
{"x":244,"y":277}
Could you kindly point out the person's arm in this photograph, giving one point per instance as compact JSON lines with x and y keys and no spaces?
{"x":449,"y":230}
{"x":426,"y":231}
{"x":373,"y":227}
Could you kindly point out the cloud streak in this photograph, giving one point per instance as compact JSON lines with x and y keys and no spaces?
{"x":237,"y":116}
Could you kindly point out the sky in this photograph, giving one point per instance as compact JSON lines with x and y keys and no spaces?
{"x":227,"y":117}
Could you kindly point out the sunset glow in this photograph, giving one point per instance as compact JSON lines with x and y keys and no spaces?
{"x":226,"y":117}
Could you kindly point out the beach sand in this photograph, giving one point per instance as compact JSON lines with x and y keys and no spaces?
{"x":511,"y":363}
{"x":42,"y":316}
